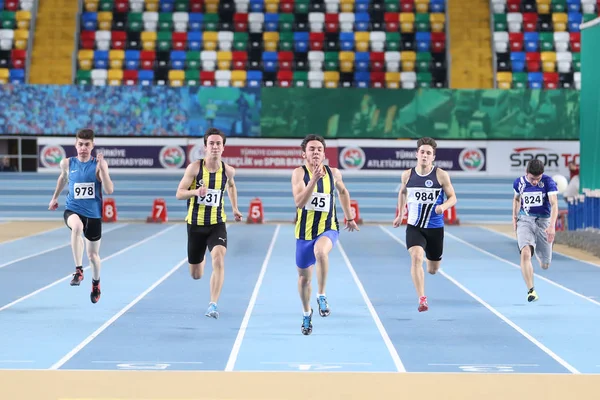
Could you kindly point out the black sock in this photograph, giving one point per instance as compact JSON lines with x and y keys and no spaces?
{"x":530,"y":290}
{"x":79,"y":268}
{"x":95,"y":282}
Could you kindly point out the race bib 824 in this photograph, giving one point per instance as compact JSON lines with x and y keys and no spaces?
{"x":533,"y":199}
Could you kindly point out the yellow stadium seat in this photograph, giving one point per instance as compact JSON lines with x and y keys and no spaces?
{"x":224,"y":60}
{"x":272,"y":6}
{"x":331,"y":79}
{"x":407,"y":22}
{"x":116,"y":58}
{"x":91,"y":5}
{"x":115,"y":77}
{"x":151,"y":5}
{"x":4,"y":74}
{"x":85,"y":58}
{"x":543,"y":6}
{"x":105,"y":20}
{"x":504,"y":80}
{"x":392,"y":80}
{"x":560,"y":22}
{"x":23,"y":18}
{"x":148,"y":40}
{"x":21,"y":37}
{"x":209,"y":40}
{"x":361,"y":40}
{"x":347,"y":61}
{"x":422,"y":6}
{"x":548,"y":61}
{"x":238,"y":78}
{"x":211,"y":6}
{"x":271,"y":41}
{"x":408,"y":59}
{"x":176,"y":77}
{"x":437,"y":21}
{"x":346,"y":5}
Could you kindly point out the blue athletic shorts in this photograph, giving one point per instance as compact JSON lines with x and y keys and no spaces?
{"x":305,"y":249}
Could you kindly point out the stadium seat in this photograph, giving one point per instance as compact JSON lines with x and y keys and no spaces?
{"x":15,"y":25}
{"x":285,"y":43}
{"x":537,"y":44}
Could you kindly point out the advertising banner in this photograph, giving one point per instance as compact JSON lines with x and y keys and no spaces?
{"x":264,"y":154}
{"x":511,"y":158}
{"x":131,"y":155}
{"x":458,"y":157}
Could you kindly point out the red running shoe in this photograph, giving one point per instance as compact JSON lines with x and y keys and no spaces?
{"x":423,"y":304}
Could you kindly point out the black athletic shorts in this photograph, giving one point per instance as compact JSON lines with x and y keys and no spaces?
{"x":201,"y":237}
{"x":430,"y":239}
{"x":92,"y":227}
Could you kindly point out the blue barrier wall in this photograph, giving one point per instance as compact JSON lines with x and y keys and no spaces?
{"x":26,"y":196}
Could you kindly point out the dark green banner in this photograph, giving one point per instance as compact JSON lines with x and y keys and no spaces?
{"x":408,"y":114}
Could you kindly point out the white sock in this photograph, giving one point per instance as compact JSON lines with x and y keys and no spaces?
{"x":319,"y":295}
{"x":212,"y":302}
{"x":306,"y":313}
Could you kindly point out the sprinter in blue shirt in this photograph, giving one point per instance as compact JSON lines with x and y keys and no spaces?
{"x":86,"y":177}
{"x":535,"y":209}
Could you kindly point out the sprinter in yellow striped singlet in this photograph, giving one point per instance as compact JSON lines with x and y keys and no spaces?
{"x":317,"y":227}
{"x":203,"y":186}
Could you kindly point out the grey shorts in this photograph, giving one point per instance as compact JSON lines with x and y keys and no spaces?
{"x":531,"y":231}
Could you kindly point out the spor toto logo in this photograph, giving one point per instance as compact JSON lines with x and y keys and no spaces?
{"x":171,"y":157}
{"x":52,"y":155}
{"x":352,"y":158}
{"x":471,"y":159}
{"x":520,"y":156}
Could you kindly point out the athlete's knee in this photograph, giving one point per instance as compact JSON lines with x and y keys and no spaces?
{"x":197,"y":270}
{"x":93,"y":256}
{"x":218,"y":257}
{"x":545,"y":265}
{"x":76,"y":225}
{"x":433,"y":267}
{"x":526,"y":252}
{"x":416,"y":255}
{"x":321,"y":254}
{"x":304,"y":280}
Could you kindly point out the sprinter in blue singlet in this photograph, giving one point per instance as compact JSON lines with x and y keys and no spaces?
{"x":87,"y":177}
{"x":535,"y":209}
{"x":422,"y":189}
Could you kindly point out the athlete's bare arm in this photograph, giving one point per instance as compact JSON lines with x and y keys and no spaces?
{"x":551,"y":230}
{"x":444,"y":180}
{"x":102,"y":171}
{"x":516,"y":206}
{"x":232,"y":192}
{"x":63,"y":179}
{"x":302,"y":192}
{"x":402,"y":197}
{"x":183,"y":190}
{"x":344,"y":199}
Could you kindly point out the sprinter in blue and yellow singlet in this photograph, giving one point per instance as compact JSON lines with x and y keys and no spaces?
{"x":422,"y":189}
{"x":87,"y":177}
{"x":317,"y":227}
{"x":203,"y":186}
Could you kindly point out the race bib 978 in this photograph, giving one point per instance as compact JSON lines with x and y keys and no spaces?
{"x":83,"y":191}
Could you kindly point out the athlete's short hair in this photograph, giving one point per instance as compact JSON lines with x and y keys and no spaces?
{"x":535,"y":167}
{"x":427,"y":141}
{"x":310,"y":138}
{"x":85,"y":134}
{"x":214,"y":131}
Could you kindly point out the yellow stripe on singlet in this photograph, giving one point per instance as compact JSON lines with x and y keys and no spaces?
{"x":201,"y":214}
{"x":311,"y":223}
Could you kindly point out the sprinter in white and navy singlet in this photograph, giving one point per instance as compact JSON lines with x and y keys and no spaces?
{"x":535,"y":209}
{"x":424,"y":194}
{"x":86,"y":177}
{"x":422,"y":190}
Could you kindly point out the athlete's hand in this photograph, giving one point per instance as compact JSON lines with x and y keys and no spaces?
{"x":202,"y":191}
{"x":397,"y":221}
{"x":101,"y":161}
{"x":238,"y":215}
{"x":319,"y":172}
{"x":439,"y":210}
{"x":351,"y":226}
{"x":53,"y":204}
{"x":550,"y":233}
